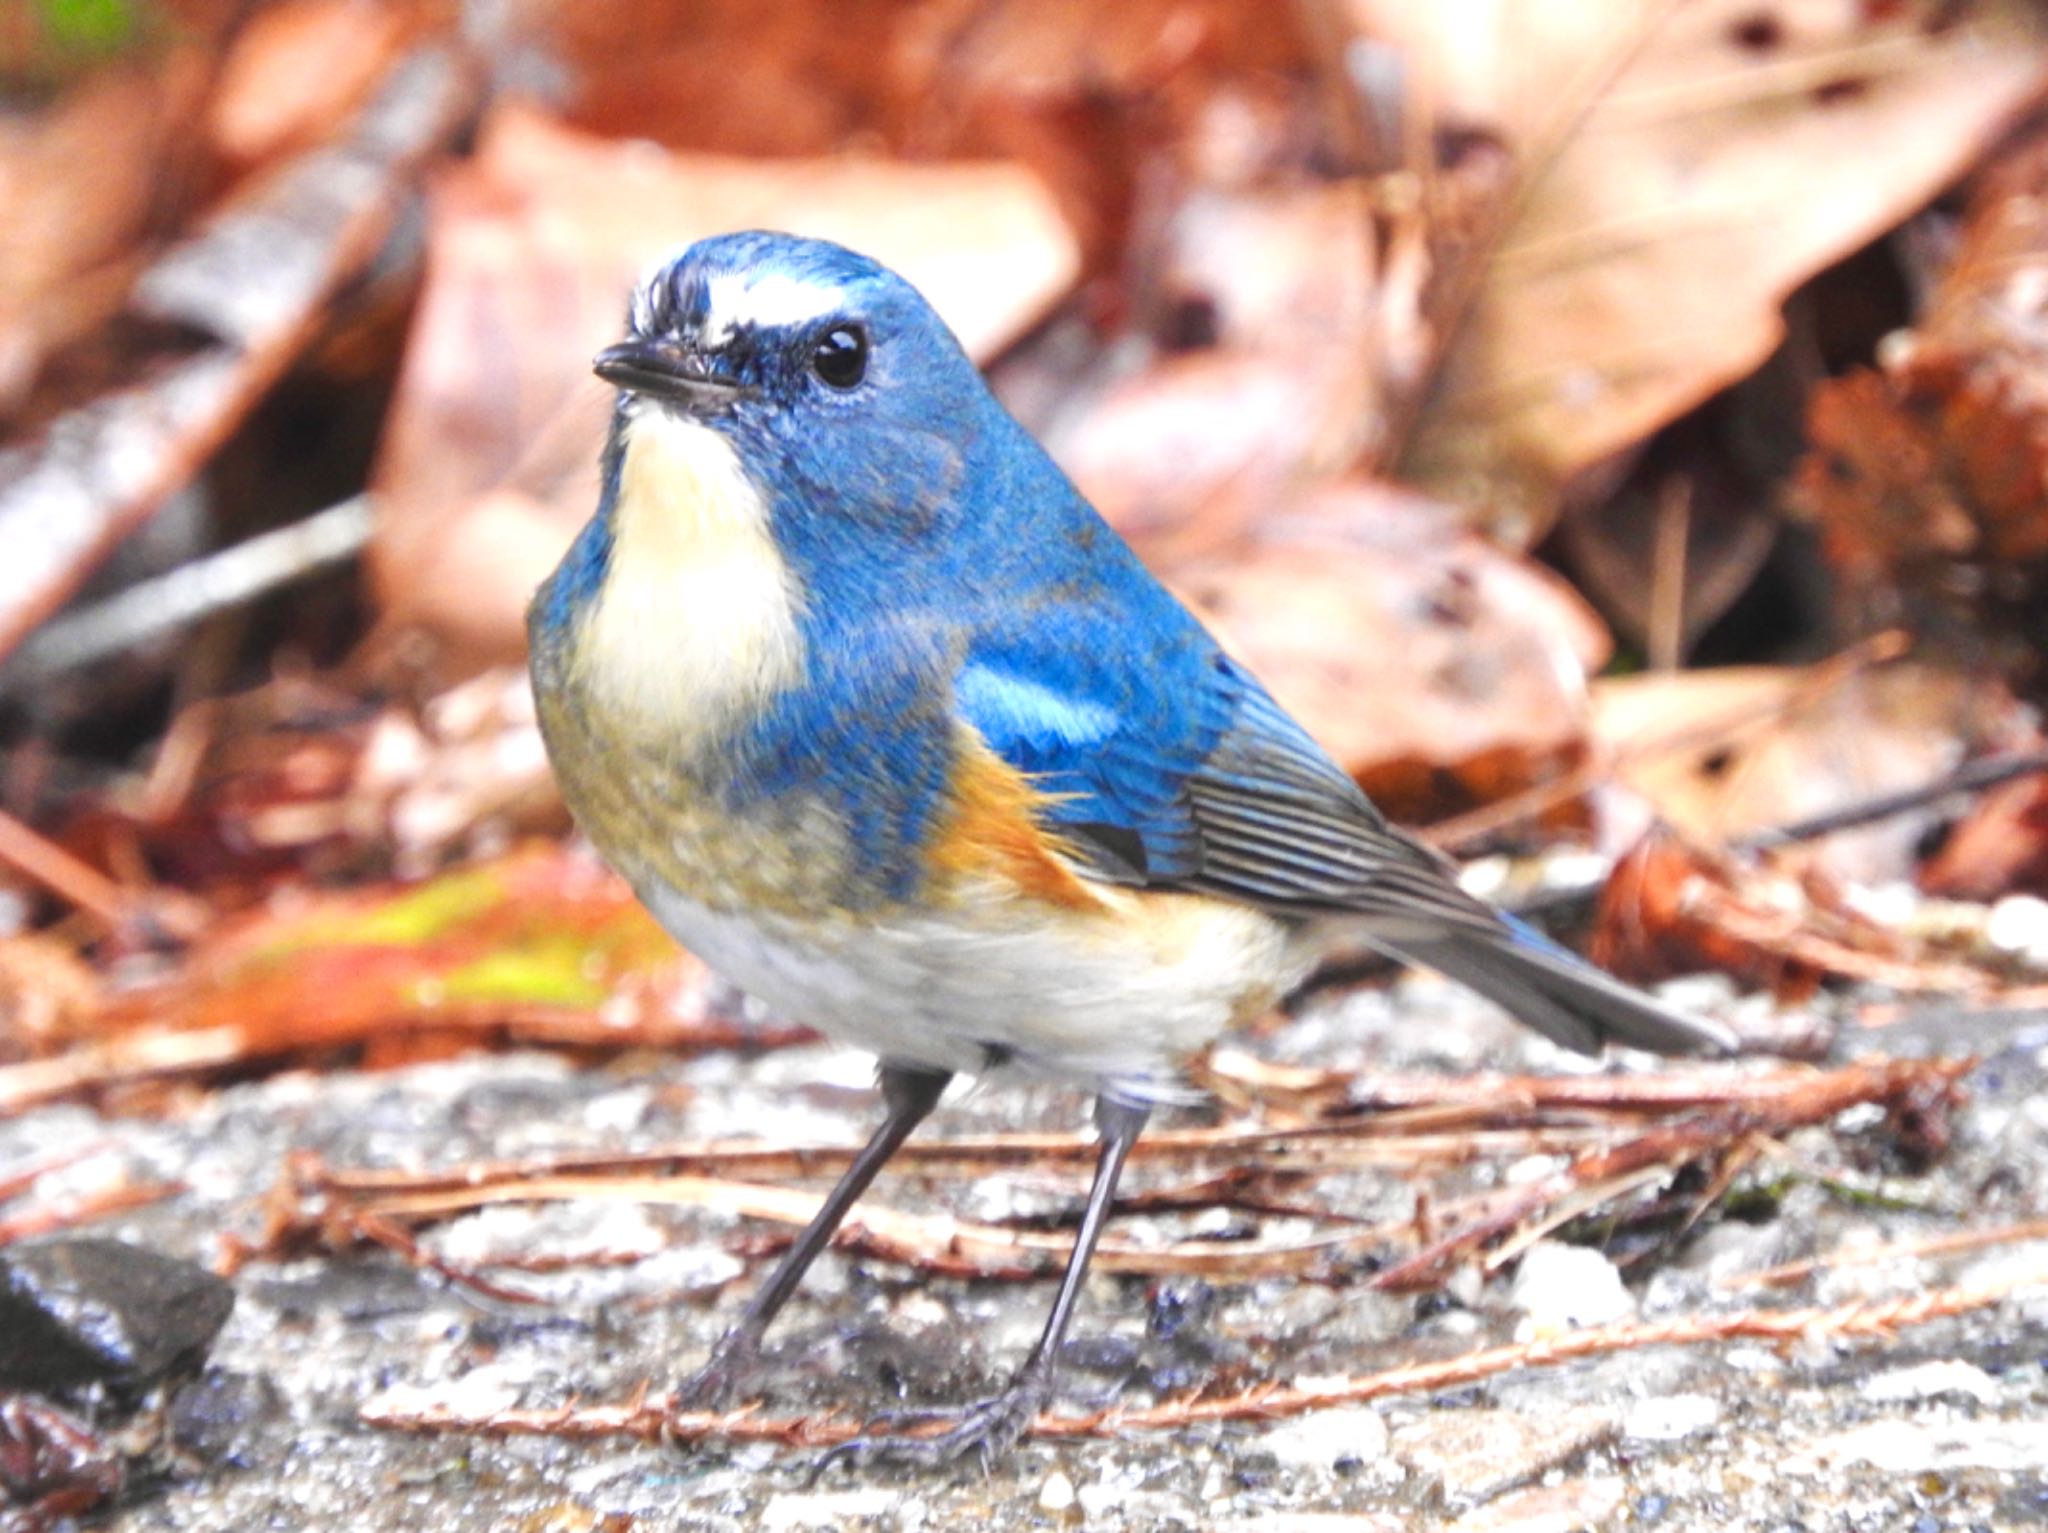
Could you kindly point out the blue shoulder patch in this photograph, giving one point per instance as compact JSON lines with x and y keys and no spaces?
{"x":1110,"y":707}
{"x":1166,"y":761}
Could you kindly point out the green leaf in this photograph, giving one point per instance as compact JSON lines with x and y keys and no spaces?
{"x":90,"y":26}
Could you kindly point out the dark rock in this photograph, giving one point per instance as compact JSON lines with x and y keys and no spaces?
{"x":219,"y":1415}
{"x":77,"y":1312}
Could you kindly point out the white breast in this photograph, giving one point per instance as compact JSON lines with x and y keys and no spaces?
{"x":696,"y":624}
{"x":1118,"y":1004}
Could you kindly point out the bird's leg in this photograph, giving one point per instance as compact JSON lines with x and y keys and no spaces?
{"x":991,"y":1427}
{"x":910,"y":1096}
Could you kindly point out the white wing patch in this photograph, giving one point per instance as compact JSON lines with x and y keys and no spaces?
{"x":772,"y":300}
{"x":1020,"y":706}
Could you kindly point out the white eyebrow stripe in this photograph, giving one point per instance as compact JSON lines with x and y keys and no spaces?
{"x":772,"y":299}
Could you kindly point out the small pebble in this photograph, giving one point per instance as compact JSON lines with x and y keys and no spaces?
{"x":2018,"y":924}
{"x":1927,"y":1380}
{"x":1560,"y":1288}
{"x":1670,"y":1418}
{"x":1100,"y":1499}
{"x":831,"y":1509}
{"x":1056,"y":1494}
{"x":1320,"y":1439}
{"x":81,"y":1310}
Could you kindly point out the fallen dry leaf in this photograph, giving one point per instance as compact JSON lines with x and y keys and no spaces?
{"x":303,"y":782}
{"x":2000,"y":847}
{"x":489,"y":463}
{"x":1669,"y":908}
{"x":79,"y":182}
{"x":539,"y":945}
{"x":1928,"y":476}
{"x":1269,"y":390}
{"x":298,"y":68}
{"x":1682,"y":168}
{"x":47,"y":994}
{"x":724,"y":76}
{"x":1799,"y":742}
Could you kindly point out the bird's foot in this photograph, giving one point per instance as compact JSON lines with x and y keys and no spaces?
{"x":936,"y":1438}
{"x":716,"y":1385}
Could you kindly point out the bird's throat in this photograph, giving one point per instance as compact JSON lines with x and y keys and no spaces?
{"x":695,"y":624}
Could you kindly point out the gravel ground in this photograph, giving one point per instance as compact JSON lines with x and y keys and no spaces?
{"x":1945,"y":1427}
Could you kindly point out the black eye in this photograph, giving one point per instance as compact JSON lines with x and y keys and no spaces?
{"x":841,"y":356}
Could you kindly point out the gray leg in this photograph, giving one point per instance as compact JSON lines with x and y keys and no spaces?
{"x":910,"y":1096}
{"x":991,"y":1427}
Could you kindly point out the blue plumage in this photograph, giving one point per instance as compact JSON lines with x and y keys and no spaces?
{"x":883,"y":719}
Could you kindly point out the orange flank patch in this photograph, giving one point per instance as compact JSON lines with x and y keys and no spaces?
{"x":994,"y":827}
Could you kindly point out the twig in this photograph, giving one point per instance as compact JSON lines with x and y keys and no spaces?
{"x":170,"y":1053}
{"x":1970,"y":777}
{"x":1667,"y":581}
{"x":251,"y":282}
{"x":648,"y":1417}
{"x":1819,"y":680}
{"x":395,"y":1238}
{"x":1457,"y":1110}
{"x":327,"y":1205}
{"x":94,"y":1206}
{"x":913,"y":1239}
{"x":1902,"y":1250}
{"x":1660,"y":1152}
{"x":77,"y":883}
{"x":15,"y":1183}
{"x":194,"y":591}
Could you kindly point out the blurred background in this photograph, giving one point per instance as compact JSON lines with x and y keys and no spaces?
{"x":1618,"y":429}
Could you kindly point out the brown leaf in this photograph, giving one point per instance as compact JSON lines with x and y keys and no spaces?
{"x":1793,"y":749}
{"x":1683,"y":168}
{"x":1670,"y":909}
{"x":296,"y":783}
{"x":297,"y":69}
{"x":536,"y":945}
{"x":47,"y":993}
{"x":489,"y":463}
{"x":1999,"y":848}
{"x":1927,"y":475}
{"x":79,"y":181}
{"x":1270,"y":389}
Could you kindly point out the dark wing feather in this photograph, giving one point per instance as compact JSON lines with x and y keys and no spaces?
{"x":1171,"y":767}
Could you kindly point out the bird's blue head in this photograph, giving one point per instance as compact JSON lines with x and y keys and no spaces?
{"x":801,"y":385}
{"x":800,"y":449}
{"x":846,"y":400}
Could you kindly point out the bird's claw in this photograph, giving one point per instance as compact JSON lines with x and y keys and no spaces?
{"x":988,"y":1429}
{"x":717,"y":1384}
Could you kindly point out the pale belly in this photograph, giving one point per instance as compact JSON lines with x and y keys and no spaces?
{"x":1108,"y":987}
{"x":1114,"y":1004}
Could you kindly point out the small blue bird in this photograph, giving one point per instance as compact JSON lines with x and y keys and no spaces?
{"x":881,"y":720}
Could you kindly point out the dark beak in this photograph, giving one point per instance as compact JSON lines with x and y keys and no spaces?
{"x":664,"y":372}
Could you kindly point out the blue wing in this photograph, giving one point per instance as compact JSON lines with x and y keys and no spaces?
{"x":1168,"y":763}
{"x":1172,"y":767}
